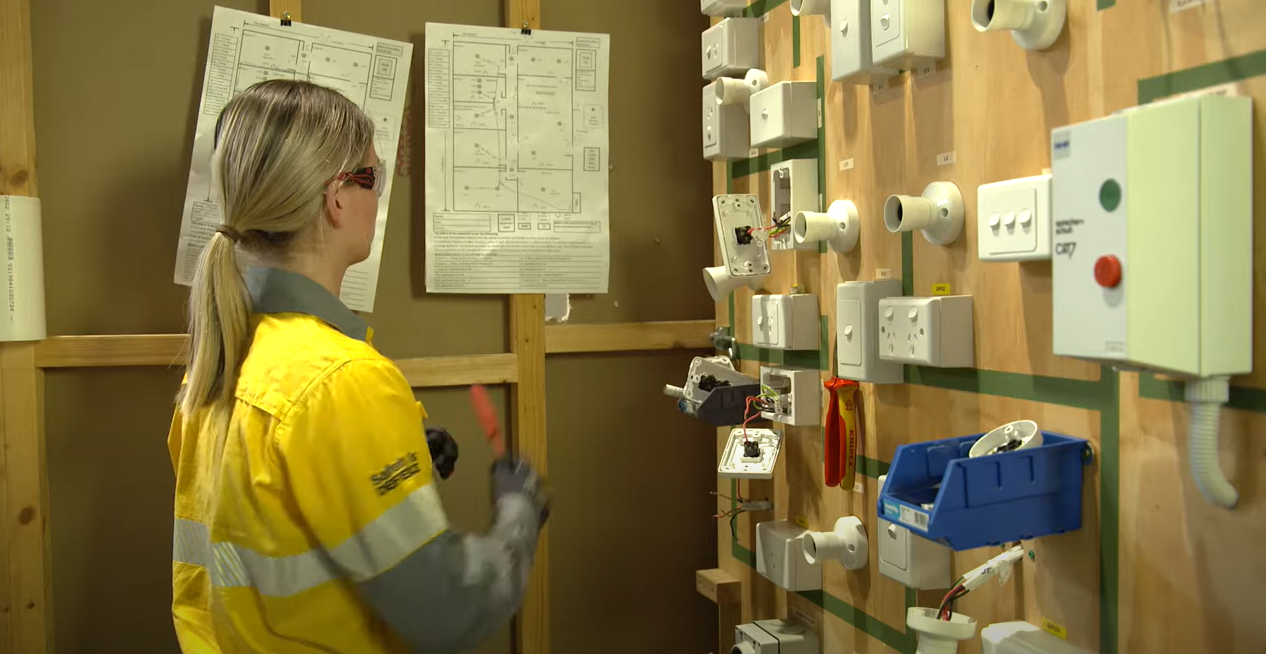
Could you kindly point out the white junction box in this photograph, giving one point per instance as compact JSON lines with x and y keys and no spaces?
{"x":1014,"y":219}
{"x":785,"y":322}
{"x":797,"y":395}
{"x":851,"y":55}
{"x":722,"y":7}
{"x":929,"y":331}
{"x":774,"y":637}
{"x":907,"y":34}
{"x":1023,"y":638}
{"x":750,"y":454}
{"x":725,"y":128}
{"x":910,"y":559}
{"x":1153,"y":238}
{"x":731,"y":48}
{"x":784,"y":114}
{"x":780,"y":556}
{"x":793,"y":188}
{"x":857,"y":332}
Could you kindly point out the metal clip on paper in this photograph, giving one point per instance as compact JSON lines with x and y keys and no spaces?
{"x":526,"y":31}
{"x":285,"y":19}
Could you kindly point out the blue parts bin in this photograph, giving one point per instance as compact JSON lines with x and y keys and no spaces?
{"x":940,"y":493}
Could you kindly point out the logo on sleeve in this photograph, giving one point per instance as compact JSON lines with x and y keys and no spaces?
{"x":396,"y":473}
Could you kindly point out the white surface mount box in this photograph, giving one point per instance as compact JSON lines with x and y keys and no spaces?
{"x":851,"y":56}
{"x":731,"y":48}
{"x":725,"y":128}
{"x":780,"y":556}
{"x":1153,"y":237}
{"x":857,"y":332}
{"x":785,"y":322}
{"x":907,"y":34}
{"x":929,"y":331}
{"x":784,"y":114}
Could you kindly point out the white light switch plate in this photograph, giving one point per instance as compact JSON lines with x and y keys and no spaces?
{"x":929,"y":331}
{"x":1014,"y":219}
{"x":744,"y":253}
{"x":785,"y":322}
{"x":857,"y":332}
{"x":907,"y":34}
{"x":725,"y":128}
{"x":730,"y":48}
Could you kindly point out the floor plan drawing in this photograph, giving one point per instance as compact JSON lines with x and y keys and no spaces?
{"x":247,"y":49}
{"x":516,"y":148}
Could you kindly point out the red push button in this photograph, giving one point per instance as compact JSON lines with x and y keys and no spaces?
{"x":1108,"y":271}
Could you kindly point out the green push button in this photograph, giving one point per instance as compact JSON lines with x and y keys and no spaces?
{"x":1110,"y":195}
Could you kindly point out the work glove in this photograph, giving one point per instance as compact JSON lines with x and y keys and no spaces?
{"x":514,"y":476}
{"x":443,"y":451}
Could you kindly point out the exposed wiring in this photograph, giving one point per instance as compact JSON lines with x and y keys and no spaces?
{"x":999,"y":566}
{"x":741,"y":505}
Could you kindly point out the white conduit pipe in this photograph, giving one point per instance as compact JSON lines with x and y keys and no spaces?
{"x":1206,"y":397}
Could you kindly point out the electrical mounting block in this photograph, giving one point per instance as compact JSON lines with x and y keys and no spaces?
{"x":722,"y":8}
{"x":780,"y":556}
{"x":794,"y":189}
{"x":1153,"y":237}
{"x":725,"y":127}
{"x":857,"y":332}
{"x":797,"y":395}
{"x":907,"y":34}
{"x":774,"y":637}
{"x":784,"y":114}
{"x":929,"y":331}
{"x":731,"y":47}
{"x":852,"y":58}
{"x":909,"y":559}
{"x":750,"y":454}
{"x":1013,"y":219}
{"x":785,"y":322}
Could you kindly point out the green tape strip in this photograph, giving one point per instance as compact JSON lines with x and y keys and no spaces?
{"x":824,"y":344}
{"x":810,"y":359}
{"x":1020,"y":386}
{"x":874,"y":627}
{"x":759,"y":164}
{"x":871,"y":467}
{"x":1107,"y":4}
{"x":1192,"y":79}
{"x":1109,"y":509}
{"x":795,"y":41}
{"x":760,"y":8}
{"x":907,"y":263}
{"x":1243,"y":398}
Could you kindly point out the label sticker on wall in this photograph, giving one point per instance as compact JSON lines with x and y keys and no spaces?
{"x":941,"y":289}
{"x":1055,"y":629}
{"x":802,"y":522}
{"x":846,"y":164}
{"x":946,"y":158}
{"x":804,"y":618}
{"x":753,"y":153}
{"x":916,"y":519}
{"x":1228,"y":90}
{"x":1176,"y":6}
{"x":860,"y":486}
{"x":883,"y":273}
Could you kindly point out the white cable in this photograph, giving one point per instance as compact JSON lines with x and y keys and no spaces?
{"x":1206,"y":397}
{"x":997,"y":566}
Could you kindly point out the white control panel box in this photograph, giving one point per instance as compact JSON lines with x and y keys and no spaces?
{"x":852,"y":59}
{"x":793,"y":188}
{"x":928,"y":331}
{"x":797,"y":395}
{"x":784,"y":114}
{"x":912,"y":560}
{"x":731,"y":48}
{"x":857,"y":332}
{"x":785,"y":322}
{"x":907,"y":34}
{"x":1153,"y":238}
{"x":780,"y":556}
{"x":1014,"y":220}
{"x":722,"y":7}
{"x":774,"y":637}
{"x":725,"y":128}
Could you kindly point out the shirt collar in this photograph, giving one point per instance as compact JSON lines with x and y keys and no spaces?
{"x":280,"y":291}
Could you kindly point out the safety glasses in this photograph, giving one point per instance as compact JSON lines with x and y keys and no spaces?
{"x":370,"y":177}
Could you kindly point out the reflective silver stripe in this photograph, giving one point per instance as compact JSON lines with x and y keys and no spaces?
{"x":190,"y":543}
{"x":383,"y":543}
{"x":395,"y":534}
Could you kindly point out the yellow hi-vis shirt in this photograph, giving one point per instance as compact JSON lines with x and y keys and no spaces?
{"x":321,"y":529}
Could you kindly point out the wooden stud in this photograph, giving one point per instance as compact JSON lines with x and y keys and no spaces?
{"x":434,"y":372}
{"x":624,"y":337}
{"x":727,"y":591}
{"x":111,"y":351}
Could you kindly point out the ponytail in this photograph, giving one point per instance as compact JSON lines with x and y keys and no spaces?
{"x":219,"y":321}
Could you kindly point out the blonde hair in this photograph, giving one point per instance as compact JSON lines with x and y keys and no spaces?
{"x":278,"y":145}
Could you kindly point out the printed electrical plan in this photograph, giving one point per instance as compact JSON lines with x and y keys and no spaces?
{"x":516,"y":161}
{"x":248,"y":48}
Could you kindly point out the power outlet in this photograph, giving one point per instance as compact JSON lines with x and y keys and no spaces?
{"x":797,"y":396}
{"x":794,"y":188}
{"x":857,"y":332}
{"x":780,"y":556}
{"x":785,"y":322}
{"x":1014,"y":219}
{"x":929,"y":331}
{"x":725,"y":128}
{"x":731,"y":48}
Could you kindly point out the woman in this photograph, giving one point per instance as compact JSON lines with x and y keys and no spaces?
{"x":306,"y":516}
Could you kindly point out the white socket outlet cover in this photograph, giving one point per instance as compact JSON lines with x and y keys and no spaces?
{"x":743,"y":252}
{"x":763,"y":444}
{"x":929,"y":331}
{"x":1013,"y":219}
{"x":857,"y":332}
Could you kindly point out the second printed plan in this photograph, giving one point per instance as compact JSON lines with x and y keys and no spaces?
{"x":516,"y":161}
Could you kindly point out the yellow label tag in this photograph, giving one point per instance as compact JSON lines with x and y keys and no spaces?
{"x":802,"y":522}
{"x":1054,"y":629}
{"x":940,"y":289}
